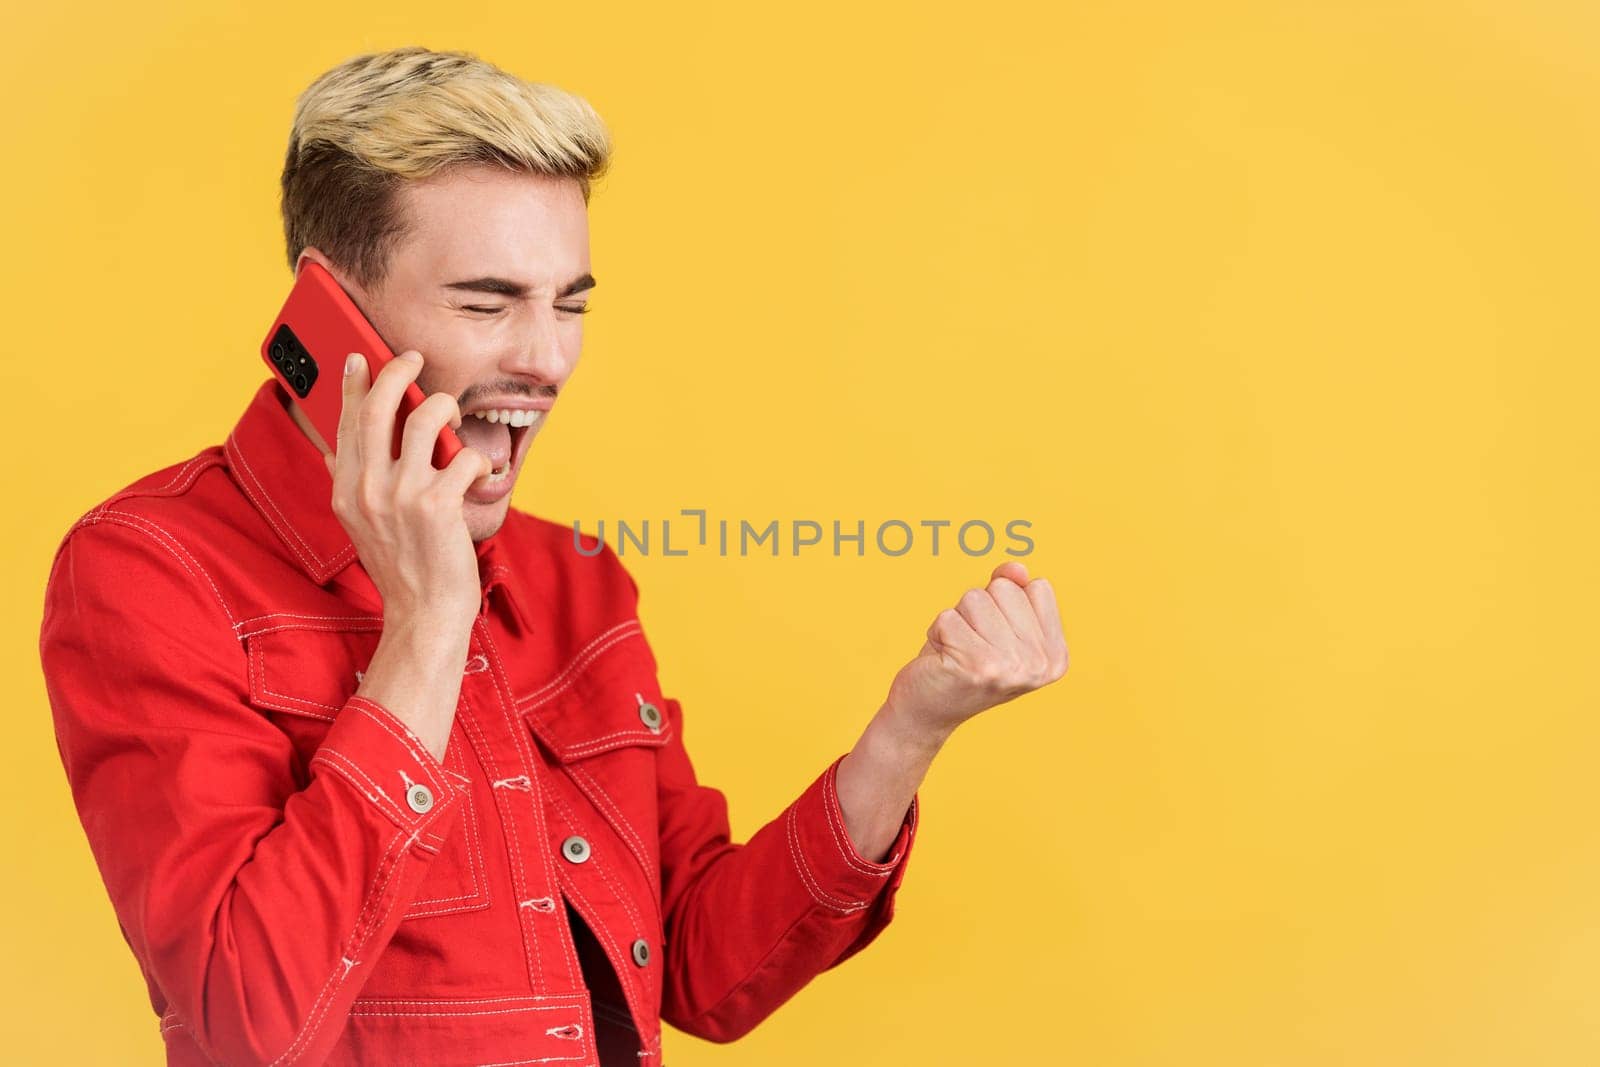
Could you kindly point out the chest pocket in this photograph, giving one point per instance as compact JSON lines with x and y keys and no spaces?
{"x":302,"y":671}
{"x":603,"y":719}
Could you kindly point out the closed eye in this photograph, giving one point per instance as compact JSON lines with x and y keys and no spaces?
{"x":582,"y":309}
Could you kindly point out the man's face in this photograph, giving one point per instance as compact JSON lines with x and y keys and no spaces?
{"x":475,"y":235}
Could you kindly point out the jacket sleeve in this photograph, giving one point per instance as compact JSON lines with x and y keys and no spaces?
{"x":255,"y":908}
{"x":748,"y":925}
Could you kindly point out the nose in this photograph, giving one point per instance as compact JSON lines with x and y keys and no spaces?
{"x":547,"y":353}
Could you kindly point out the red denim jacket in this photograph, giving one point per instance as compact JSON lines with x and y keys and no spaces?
{"x":302,"y":882}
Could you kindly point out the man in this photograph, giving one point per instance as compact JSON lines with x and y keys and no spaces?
{"x":376,"y":768}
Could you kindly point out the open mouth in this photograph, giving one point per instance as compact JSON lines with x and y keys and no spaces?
{"x":519,"y":435}
{"x":516,"y":423}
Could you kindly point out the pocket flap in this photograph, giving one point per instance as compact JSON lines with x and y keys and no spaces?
{"x":309,"y":670}
{"x":607,"y":697}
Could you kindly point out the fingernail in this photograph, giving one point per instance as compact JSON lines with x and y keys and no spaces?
{"x":413,"y":355}
{"x":351,"y":362}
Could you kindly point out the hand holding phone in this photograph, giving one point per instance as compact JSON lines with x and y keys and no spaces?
{"x":406,"y":519}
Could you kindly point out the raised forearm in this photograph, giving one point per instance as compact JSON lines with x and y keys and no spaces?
{"x":880,"y":775}
{"x":994,"y":645}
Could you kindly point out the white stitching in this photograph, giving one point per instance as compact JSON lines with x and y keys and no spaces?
{"x":830,"y":797}
{"x":579,"y":661}
{"x":586,"y":748}
{"x":411,"y":742}
{"x":600,"y":863}
{"x":626,"y":975}
{"x":447,"y":1015}
{"x":569,"y":1000}
{"x":654,"y":1046}
{"x":352,"y":770}
{"x":298,"y":615}
{"x":177,"y":476}
{"x":170,"y":489}
{"x":812,"y":886}
{"x":392,"y":859}
{"x":530,"y":938}
{"x":528,"y":761}
{"x":175,"y":548}
{"x":312,"y":626}
{"x":258,"y":658}
{"x":308,"y":556}
{"x":258,"y":672}
{"x":635,"y":844}
{"x":480,"y":895}
{"x":291,"y":537}
{"x":309,"y":622}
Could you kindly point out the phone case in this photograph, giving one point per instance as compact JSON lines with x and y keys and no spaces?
{"x":305,"y":349}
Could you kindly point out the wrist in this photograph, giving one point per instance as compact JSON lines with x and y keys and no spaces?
{"x":904,"y":731}
{"x":434,"y":620}
{"x":428,"y":635}
{"x":416,"y":675}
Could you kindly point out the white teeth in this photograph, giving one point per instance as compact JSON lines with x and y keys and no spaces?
{"x":509,"y":416}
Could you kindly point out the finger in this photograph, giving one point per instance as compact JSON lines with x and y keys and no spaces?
{"x":1043,"y":598}
{"x":983,"y":615}
{"x":1013,"y":570}
{"x":347,"y":441}
{"x":467,"y":467}
{"x":381,"y":407}
{"x":949,"y":632}
{"x":1018,"y":611}
{"x":421,"y":433}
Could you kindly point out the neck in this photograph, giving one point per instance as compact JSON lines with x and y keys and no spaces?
{"x":300,"y":420}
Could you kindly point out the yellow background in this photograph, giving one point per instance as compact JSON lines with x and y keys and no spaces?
{"x":1275,"y":319}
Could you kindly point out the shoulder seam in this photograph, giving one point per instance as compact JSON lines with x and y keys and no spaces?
{"x":181,"y":482}
{"x":162,"y":536}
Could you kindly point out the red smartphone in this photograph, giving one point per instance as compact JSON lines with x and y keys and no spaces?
{"x":306,"y":347}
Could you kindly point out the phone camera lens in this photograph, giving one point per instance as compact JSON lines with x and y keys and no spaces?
{"x":277,"y":351}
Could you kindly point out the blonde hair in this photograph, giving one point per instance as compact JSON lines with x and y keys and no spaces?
{"x":380,"y":119}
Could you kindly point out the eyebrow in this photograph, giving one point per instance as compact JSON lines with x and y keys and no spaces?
{"x":506,"y":287}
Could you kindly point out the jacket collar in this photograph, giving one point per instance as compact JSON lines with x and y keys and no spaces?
{"x":282,"y":473}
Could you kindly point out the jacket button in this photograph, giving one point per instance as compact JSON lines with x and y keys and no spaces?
{"x":641,"y":952}
{"x":575,"y":849}
{"x":420,"y":797}
{"x":650,"y":715}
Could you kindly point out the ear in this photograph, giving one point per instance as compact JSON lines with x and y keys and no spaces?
{"x":313,"y":253}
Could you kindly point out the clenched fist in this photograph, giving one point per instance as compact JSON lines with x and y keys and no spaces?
{"x":996,"y":644}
